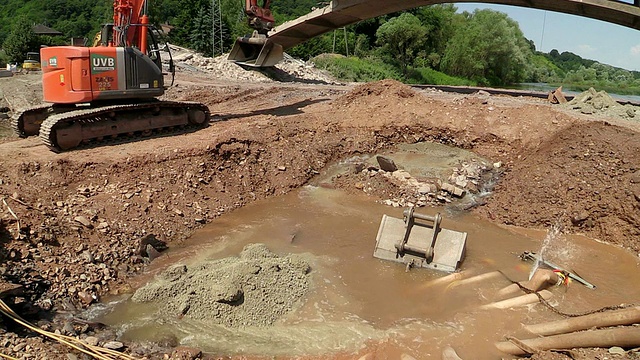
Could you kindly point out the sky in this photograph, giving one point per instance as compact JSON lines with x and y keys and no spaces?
{"x":591,"y":39}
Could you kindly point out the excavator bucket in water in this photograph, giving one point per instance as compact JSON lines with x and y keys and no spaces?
{"x":420,"y":243}
{"x":256,"y":51}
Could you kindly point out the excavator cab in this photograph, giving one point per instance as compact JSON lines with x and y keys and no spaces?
{"x":257,"y":50}
{"x":86,"y":74}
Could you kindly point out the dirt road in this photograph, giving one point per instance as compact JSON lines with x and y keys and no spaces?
{"x":82,"y":218}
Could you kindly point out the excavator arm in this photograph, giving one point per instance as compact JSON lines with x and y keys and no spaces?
{"x":127,"y":13}
{"x":260,"y":17}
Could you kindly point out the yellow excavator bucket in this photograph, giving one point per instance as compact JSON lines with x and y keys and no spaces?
{"x":256,"y":51}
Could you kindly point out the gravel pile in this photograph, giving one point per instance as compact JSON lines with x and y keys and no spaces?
{"x":254,"y":289}
{"x":601,"y":103}
{"x":288,"y":69}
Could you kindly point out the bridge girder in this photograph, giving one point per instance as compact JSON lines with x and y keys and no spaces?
{"x":341,"y":13}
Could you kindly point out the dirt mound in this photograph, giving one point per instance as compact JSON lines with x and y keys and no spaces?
{"x":376,"y":91}
{"x":587,"y":177}
{"x":373,"y":104}
{"x":254,"y":289}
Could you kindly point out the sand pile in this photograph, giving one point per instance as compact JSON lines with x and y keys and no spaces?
{"x":255,"y":289}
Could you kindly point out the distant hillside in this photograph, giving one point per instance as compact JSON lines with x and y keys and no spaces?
{"x":568,"y":61}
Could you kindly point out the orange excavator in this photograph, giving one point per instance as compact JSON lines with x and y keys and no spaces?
{"x":108,"y":91}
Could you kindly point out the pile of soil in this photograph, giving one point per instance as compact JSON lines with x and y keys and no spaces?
{"x":380,"y":90}
{"x":374,"y":104}
{"x":255,"y":289}
{"x":586,"y":177}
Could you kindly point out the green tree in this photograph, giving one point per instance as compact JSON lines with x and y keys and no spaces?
{"x":441,"y":20}
{"x":201,"y":33}
{"x":402,"y":38}
{"x":489,"y":48}
{"x":20,"y":41}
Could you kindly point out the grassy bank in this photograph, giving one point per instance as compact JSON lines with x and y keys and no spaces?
{"x":365,"y":70}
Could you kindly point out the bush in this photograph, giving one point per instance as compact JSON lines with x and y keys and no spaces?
{"x":434,"y":77}
{"x":355,"y":69}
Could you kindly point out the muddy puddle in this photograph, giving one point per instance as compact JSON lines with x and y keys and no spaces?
{"x":355,"y":300}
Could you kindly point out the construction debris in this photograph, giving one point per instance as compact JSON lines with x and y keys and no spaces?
{"x":557,"y":97}
{"x":220,"y":67}
{"x":601,"y":103}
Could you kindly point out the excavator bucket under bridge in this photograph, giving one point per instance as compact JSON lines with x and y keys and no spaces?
{"x":256,"y":51}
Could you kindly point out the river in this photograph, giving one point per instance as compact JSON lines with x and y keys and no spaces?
{"x":544,"y":87}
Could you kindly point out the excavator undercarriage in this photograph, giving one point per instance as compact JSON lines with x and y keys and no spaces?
{"x":64,"y":128}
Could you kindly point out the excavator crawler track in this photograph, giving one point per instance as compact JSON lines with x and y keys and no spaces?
{"x":27,"y":122}
{"x":121,"y":123}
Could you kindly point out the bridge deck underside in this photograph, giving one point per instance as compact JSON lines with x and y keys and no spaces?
{"x":345,"y":12}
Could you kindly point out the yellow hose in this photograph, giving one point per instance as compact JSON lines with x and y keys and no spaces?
{"x":94,"y":351}
{"x":7,"y":357}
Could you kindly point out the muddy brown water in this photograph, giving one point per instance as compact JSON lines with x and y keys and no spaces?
{"x":357,"y":300}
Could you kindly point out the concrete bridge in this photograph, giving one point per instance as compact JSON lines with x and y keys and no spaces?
{"x":340,"y":13}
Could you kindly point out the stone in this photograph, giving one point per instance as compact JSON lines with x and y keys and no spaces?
{"x":401,"y":175}
{"x":87,"y":256}
{"x":91,"y":340}
{"x":282,"y":168}
{"x":631,"y":113}
{"x":152,"y":253}
{"x":580,"y":217}
{"x":83,"y":221}
{"x":86,"y":298}
{"x":150,"y":239}
{"x":386,"y":163}
{"x":113,"y":345}
{"x":186,"y":353}
{"x":424,"y":189}
{"x":453,"y":190}
{"x":616,"y":350}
